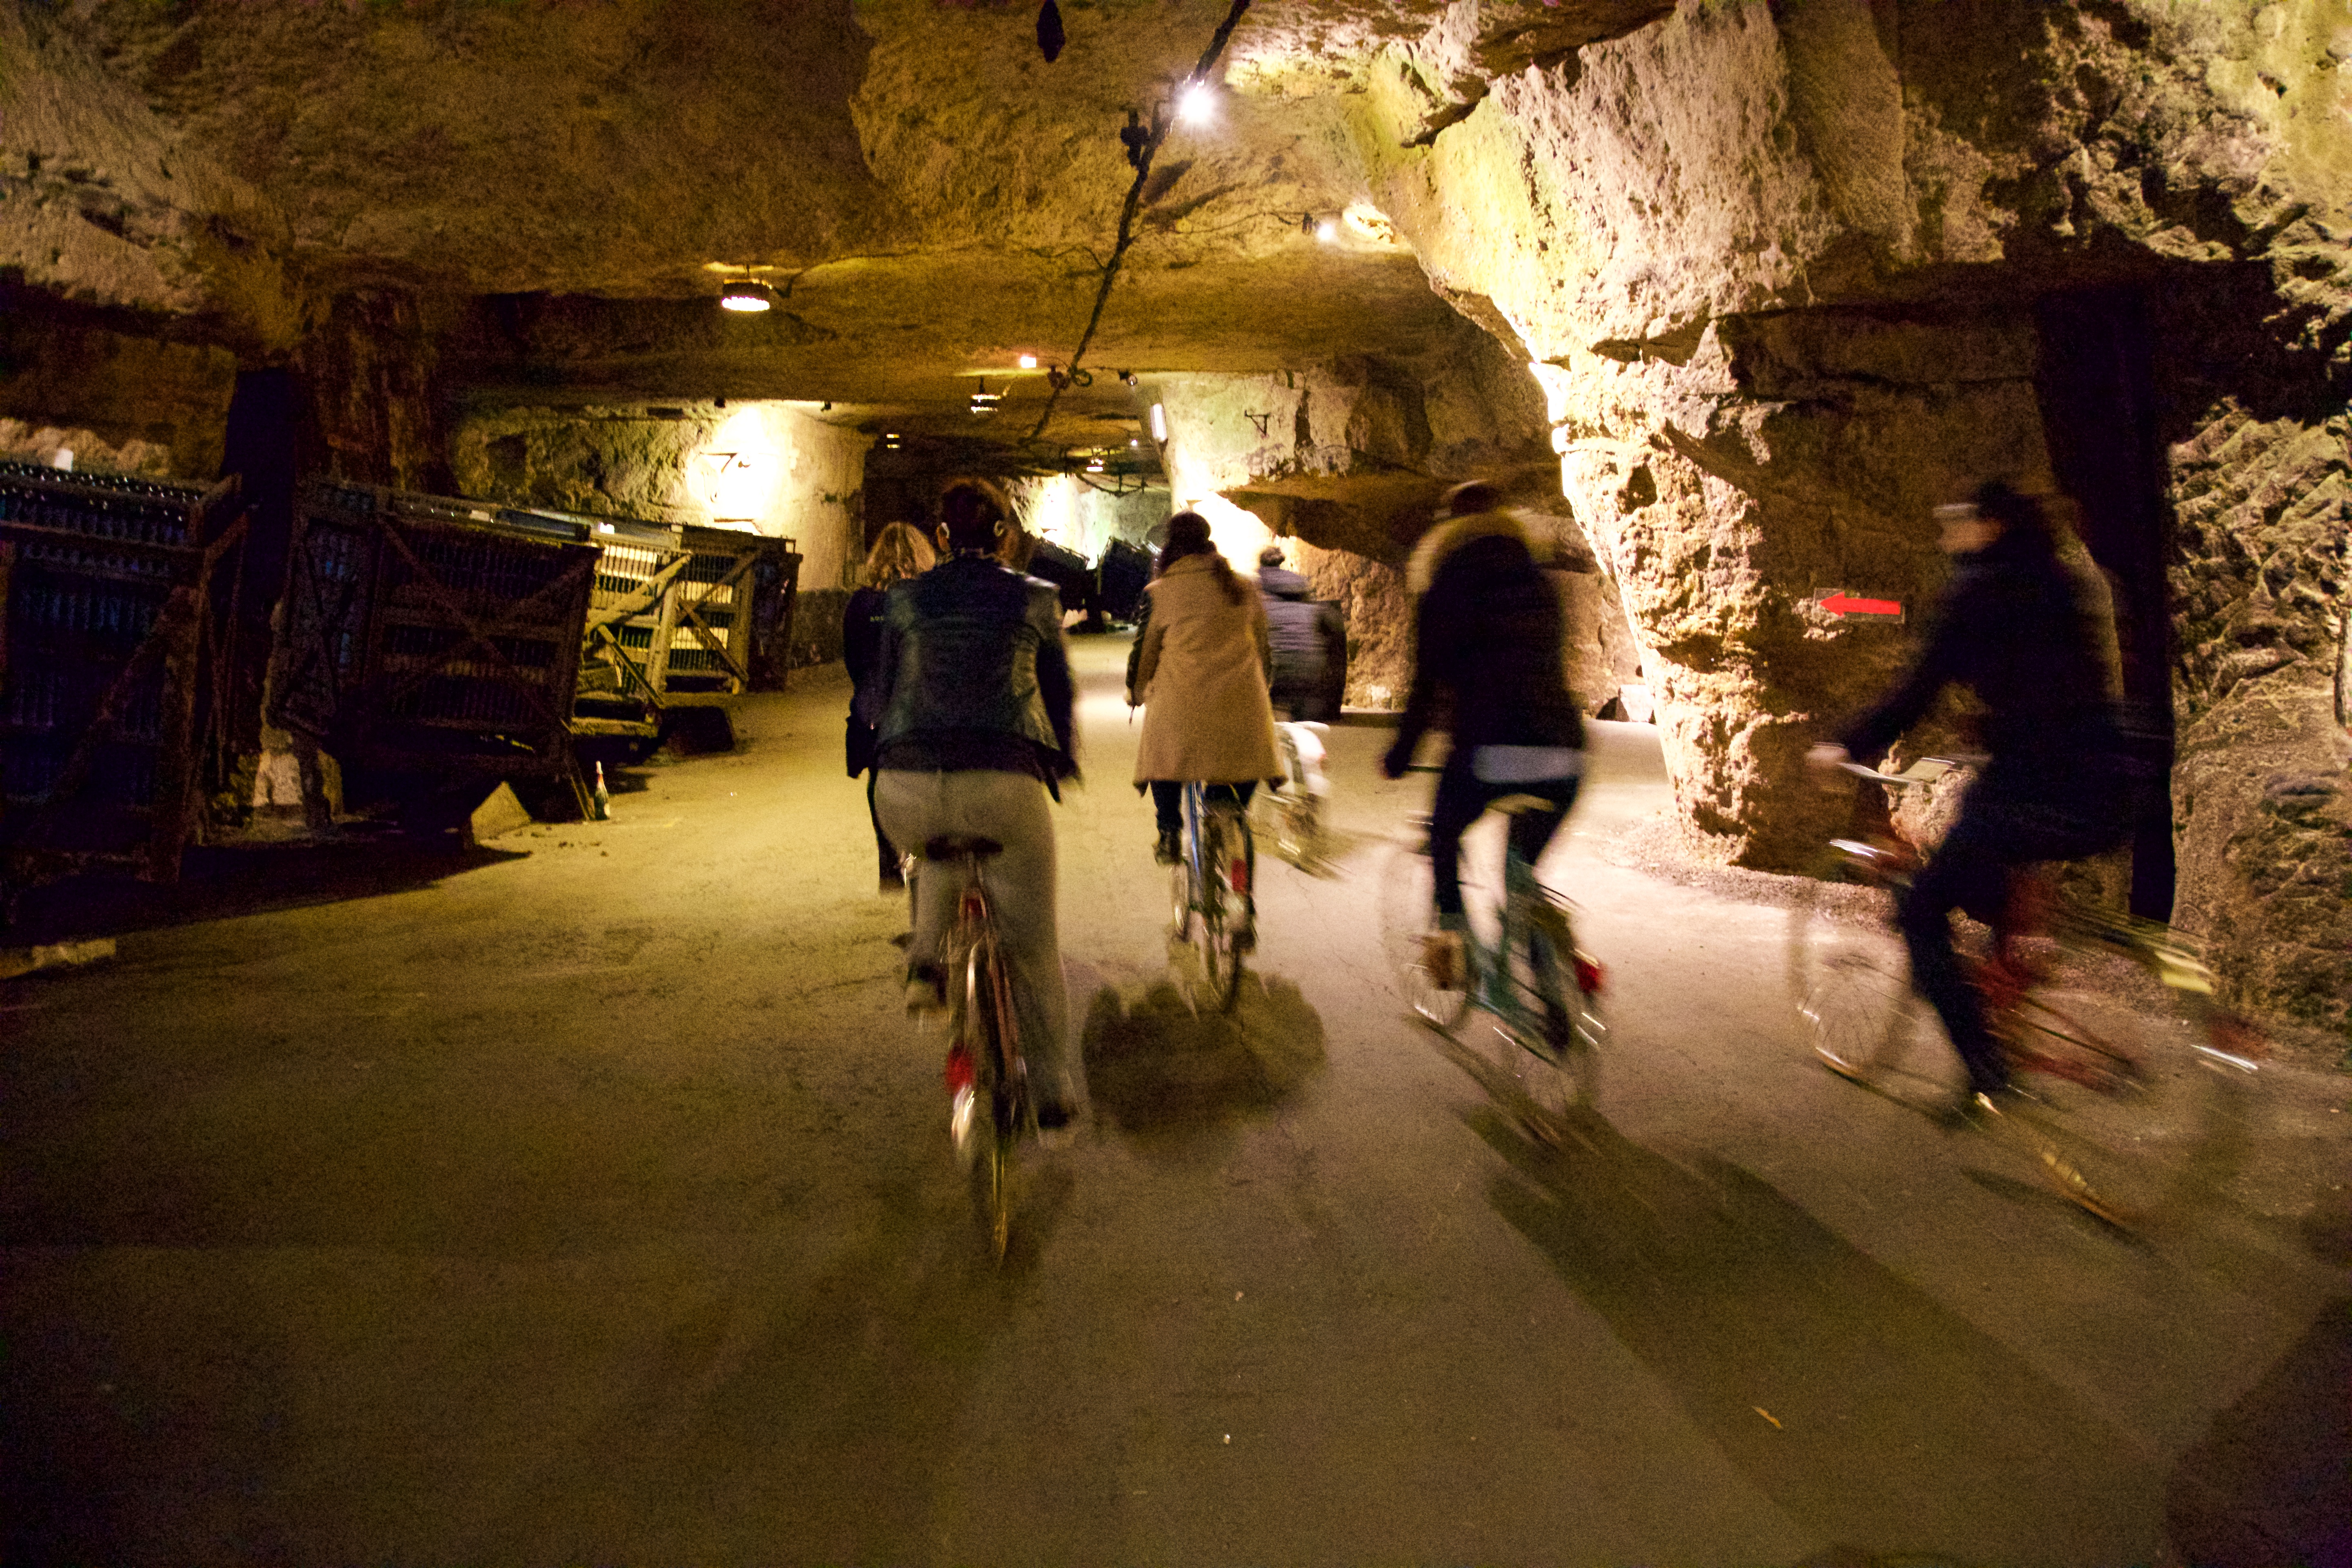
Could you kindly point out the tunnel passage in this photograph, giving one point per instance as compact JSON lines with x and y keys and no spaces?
{"x":2097,"y":389}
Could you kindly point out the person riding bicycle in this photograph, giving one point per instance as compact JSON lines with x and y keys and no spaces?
{"x":2032,"y":637}
{"x":899,"y":553}
{"x":1309,"y":640}
{"x":1488,"y":633}
{"x":975,"y":735}
{"x":1199,"y":675}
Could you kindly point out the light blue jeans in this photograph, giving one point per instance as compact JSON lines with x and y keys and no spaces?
{"x":1013,"y":809}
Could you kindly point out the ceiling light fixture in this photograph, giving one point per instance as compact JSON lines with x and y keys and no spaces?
{"x":1328,"y":232}
{"x":747,"y":296}
{"x":1159,"y":422}
{"x":1028,"y":362}
{"x":1196,"y":103}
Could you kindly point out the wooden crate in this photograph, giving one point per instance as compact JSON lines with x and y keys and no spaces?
{"x":632,"y":610}
{"x":429,"y":635}
{"x":735,"y":603}
{"x":108,"y":634}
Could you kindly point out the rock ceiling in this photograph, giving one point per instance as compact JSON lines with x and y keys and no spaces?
{"x":566,"y":185}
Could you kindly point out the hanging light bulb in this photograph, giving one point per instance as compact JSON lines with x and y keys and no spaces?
{"x":1197,"y":103}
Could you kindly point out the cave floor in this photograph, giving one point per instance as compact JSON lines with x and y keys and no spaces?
{"x":591,"y":1201}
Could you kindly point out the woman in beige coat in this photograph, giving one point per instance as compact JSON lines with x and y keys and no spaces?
{"x":1200,"y":673}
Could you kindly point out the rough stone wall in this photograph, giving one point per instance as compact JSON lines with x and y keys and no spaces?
{"x":118,"y":400}
{"x":1777,"y":265}
{"x":2260,"y":789}
{"x":762,"y":465}
{"x":1371,"y":595}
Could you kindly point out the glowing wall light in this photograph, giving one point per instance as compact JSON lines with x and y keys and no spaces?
{"x":747,"y":296}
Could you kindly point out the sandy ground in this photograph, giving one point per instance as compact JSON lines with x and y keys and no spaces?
{"x":588,"y":1199}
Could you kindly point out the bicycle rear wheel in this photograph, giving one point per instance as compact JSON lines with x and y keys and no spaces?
{"x":998,"y":1085}
{"x":1851,"y":978}
{"x":1408,"y":916}
{"x":2120,"y":1110}
{"x":1227,"y":927}
{"x":1552,"y":1047}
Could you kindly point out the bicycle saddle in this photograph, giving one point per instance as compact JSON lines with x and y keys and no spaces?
{"x":956,"y":845}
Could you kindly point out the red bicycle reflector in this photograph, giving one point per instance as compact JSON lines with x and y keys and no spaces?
{"x":1238,"y":877}
{"x":1590,"y":975}
{"x":959,"y":1074}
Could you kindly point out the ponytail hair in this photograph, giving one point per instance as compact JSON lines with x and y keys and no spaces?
{"x":1188,"y":535}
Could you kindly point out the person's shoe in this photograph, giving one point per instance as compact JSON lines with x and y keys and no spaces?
{"x":1441,"y":958}
{"x":925,"y":995}
{"x":1057,"y":1125}
{"x":1170,"y":851}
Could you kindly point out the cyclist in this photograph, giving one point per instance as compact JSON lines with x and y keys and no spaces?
{"x":2033,"y":638}
{"x":1200,"y":673}
{"x":975,"y":734}
{"x":899,"y":553}
{"x":1487,"y":632}
{"x":1309,"y":641}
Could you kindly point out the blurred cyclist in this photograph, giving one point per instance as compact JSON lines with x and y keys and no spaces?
{"x":2032,"y":637}
{"x":1489,"y":632}
{"x":1199,"y":670}
{"x":1309,"y":640}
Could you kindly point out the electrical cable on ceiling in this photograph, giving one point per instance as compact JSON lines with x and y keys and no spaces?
{"x":1141,"y":158}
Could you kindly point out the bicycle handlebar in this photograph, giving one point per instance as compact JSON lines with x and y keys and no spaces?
{"x":1927,"y":770}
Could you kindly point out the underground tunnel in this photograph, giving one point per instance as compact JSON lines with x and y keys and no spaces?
{"x":681,"y":303}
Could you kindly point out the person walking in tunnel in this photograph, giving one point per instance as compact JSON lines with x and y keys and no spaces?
{"x":899,"y":553}
{"x":1309,"y":642}
{"x":2033,"y":638}
{"x":974,"y":738}
{"x":1489,"y":636}
{"x":1199,"y":672}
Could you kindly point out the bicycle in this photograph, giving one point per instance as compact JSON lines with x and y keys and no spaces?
{"x":1541,"y":991}
{"x":2125,"y":1066}
{"x":1296,"y":810}
{"x":986,"y":1073}
{"x":1215,"y":907}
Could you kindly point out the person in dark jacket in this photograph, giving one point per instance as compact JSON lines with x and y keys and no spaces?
{"x":2032,"y":637}
{"x":1310,"y":639}
{"x":1489,"y":634}
{"x":899,"y":553}
{"x":974,"y":738}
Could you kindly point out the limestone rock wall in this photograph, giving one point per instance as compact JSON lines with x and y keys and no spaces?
{"x":1778,"y":267}
{"x":765,"y":466}
{"x":2262,"y":789}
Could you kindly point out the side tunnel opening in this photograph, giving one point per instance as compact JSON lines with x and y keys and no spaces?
{"x":2095,"y":383}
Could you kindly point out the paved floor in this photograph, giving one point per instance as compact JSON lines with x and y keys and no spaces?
{"x":589,"y":1201}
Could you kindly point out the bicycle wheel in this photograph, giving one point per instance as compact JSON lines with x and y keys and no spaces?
{"x":1407,"y":918}
{"x":2122,"y":1114}
{"x":1227,"y":925}
{"x":988,"y":1015}
{"x":1551,"y":1046}
{"x":1850,"y":977}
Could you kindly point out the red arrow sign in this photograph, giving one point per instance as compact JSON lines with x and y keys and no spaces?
{"x":1842,"y":604}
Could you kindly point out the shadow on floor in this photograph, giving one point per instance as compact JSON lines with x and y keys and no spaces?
{"x":219,"y":883}
{"x":1850,"y":1397}
{"x":2270,"y":1482}
{"x":1157,"y":1067}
